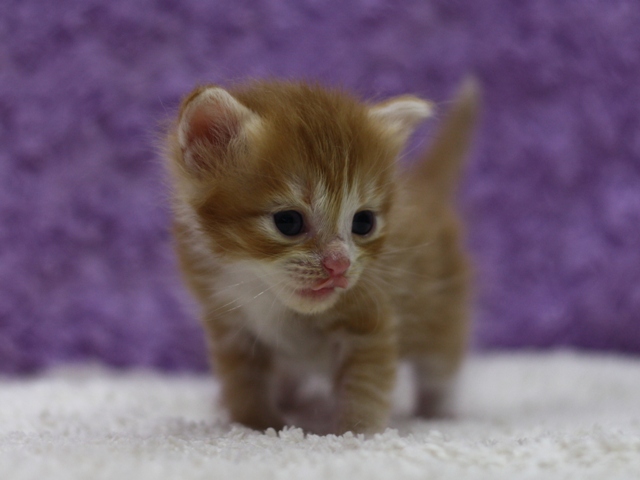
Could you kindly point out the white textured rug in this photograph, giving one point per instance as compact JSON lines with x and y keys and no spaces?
{"x":520,"y":416}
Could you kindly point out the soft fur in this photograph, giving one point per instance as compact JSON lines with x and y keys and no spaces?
{"x":277,"y":308}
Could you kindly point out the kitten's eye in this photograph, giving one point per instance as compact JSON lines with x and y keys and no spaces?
{"x":289,"y":222}
{"x":363,"y":222}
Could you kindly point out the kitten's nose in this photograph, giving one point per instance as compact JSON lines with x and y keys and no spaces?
{"x":336,"y":265}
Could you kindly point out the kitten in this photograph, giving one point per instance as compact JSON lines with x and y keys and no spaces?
{"x":311,"y":251}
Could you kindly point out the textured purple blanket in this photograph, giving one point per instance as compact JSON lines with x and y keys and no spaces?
{"x":552,"y":194}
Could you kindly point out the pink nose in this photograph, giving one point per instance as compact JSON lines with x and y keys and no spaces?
{"x":336,"y":265}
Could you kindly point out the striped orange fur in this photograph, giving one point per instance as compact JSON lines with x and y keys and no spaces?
{"x":310,"y":250}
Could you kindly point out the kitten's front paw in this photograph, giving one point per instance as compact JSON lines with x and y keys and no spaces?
{"x":358,"y":422}
{"x":433,"y":403}
{"x":261,"y":421}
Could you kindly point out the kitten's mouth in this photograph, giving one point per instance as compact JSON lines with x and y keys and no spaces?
{"x":316,"y":294}
{"x":324,"y":288}
{"x":332,"y":282}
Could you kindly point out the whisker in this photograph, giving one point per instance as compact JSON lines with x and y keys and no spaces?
{"x":432,"y":284}
{"x":374,"y":283}
{"x":376,"y":298}
{"x":229,"y":287}
{"x":402,"y":271}
{"x":220,"y":310}
{"x":392,"y":270}
{"x":404,"y":249}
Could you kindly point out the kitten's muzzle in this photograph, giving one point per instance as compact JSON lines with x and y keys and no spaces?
{"x":336,"y":263}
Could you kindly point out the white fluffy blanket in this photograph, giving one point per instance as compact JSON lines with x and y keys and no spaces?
{"x":519,"y":416}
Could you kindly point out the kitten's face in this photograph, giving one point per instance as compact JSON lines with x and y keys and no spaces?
{"x":303,"y":202}
{"x":308,"y":225}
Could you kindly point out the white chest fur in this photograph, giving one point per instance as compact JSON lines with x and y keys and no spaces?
{"x":293,"y":337}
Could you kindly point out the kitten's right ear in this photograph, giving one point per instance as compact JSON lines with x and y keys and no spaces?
{"x":213,"y":130}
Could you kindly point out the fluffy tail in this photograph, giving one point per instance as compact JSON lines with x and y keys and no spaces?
{"x":437,"y":171}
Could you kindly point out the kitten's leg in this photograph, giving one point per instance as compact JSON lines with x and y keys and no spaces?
{"x":244,"y":367}
{"x":305,"y":402}
{"x":365,"y":382}
{"x":435,"y":382}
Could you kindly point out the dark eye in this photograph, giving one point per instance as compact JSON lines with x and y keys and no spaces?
{"x":289,"y":222}
{"x":363,"y":222}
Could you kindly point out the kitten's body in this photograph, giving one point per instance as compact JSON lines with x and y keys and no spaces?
{"x":329,"y":298}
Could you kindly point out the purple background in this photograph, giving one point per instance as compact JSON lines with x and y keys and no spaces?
{"x":552,"y":194}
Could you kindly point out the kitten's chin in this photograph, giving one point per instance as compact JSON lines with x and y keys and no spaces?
{"x":309,"y":301}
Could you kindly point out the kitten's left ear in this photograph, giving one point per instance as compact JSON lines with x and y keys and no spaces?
{"x":401,"y":115}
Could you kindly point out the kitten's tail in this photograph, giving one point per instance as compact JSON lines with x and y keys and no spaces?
{"x":439,"y":167}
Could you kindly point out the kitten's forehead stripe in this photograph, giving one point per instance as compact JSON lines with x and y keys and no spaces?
{"x":315,"y":134}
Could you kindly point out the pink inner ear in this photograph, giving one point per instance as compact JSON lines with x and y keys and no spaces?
{"x":213,"y":125}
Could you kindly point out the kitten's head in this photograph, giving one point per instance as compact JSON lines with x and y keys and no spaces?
{"x":292,"y":181}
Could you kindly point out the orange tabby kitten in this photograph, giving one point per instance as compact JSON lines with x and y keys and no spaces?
{"x":310,"y":251}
